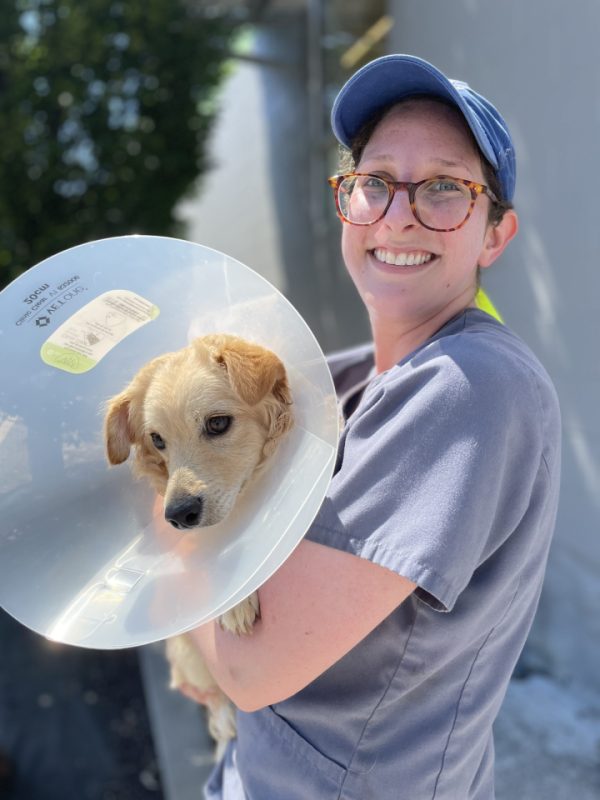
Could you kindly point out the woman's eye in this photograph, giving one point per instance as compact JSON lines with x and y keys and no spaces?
{"x":375,"y":185}
{"x":158,"y":441}
{"x":444,"y":186}
{"x":217,"y":425}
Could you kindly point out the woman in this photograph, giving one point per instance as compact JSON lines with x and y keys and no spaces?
{"x":387,"y":639}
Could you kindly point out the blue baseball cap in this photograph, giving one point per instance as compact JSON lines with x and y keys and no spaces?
{"x":391,"y":78}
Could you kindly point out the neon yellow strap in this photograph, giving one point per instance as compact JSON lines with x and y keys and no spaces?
{"x":485,"y":304}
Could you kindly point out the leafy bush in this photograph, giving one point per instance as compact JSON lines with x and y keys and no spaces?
{"x":105,"y":106}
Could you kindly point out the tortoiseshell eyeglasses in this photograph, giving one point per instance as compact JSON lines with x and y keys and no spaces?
{"x":441,"y":203}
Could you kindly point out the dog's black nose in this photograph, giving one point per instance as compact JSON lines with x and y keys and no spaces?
{"x":184,"y":513}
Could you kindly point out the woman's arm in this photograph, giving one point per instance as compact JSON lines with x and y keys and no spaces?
{"x":318,"y":606}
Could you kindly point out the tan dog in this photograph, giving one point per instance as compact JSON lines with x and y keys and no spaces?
{"x":202,"y":422}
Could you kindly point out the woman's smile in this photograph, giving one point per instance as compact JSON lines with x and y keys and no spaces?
{"x":404,"y":258}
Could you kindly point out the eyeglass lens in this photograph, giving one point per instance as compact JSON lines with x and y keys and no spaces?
{"x":440,"y":203}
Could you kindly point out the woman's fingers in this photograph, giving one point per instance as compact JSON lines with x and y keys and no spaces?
{"x":204,"y":698}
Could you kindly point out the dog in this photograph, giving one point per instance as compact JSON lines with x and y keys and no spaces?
{"x":202,"y":423}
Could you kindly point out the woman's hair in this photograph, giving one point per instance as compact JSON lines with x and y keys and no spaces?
{"x":350,"y":158}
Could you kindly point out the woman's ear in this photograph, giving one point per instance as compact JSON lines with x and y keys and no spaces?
{"x":497,"y":237}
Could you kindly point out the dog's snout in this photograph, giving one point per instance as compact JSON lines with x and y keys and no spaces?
{"x":184,"y":513}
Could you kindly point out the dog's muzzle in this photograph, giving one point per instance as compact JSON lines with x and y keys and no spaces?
{"x":184,"y":513}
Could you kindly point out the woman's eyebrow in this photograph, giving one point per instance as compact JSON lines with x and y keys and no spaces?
{"x":446,"y":163}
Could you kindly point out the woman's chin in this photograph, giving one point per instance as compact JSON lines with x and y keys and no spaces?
{"x":395,"y":303}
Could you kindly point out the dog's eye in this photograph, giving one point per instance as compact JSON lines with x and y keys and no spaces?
{"x":217,"y":425}
{"x":158,"y":441}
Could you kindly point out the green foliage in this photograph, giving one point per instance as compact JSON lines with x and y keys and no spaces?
{"x":105,"y":106}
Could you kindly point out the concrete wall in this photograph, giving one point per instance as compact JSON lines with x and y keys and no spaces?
{"x":266,"y":195}
{"x":538,"y":61}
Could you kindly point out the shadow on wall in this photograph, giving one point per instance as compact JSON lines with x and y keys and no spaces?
{"x":314,"y":273}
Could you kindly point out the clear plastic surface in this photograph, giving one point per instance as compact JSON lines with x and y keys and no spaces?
{"x":86,"y":557}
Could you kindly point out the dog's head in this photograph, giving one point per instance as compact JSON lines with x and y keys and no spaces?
{"x":201,"y":422}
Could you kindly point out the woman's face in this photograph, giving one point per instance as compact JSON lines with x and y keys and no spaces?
{"x":417,"y":140}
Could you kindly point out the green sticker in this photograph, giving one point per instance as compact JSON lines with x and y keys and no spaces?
{"x":64,"y":358}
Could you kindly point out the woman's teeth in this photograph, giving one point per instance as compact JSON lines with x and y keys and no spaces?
{"x":402,"y":259}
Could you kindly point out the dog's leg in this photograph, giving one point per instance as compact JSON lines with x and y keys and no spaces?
{"x":241,"y":618}
{"x":188,"y":667}
{"x":221,"y":724}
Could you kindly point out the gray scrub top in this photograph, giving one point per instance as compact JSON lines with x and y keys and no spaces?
{"x":448,"y":474}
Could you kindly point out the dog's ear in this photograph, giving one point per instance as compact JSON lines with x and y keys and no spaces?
{"x":280,"y":415}
{"x":118,"y":430}
{"x":253,"y":371}
{"x":123,"y":420}
{"x":257,"y":374}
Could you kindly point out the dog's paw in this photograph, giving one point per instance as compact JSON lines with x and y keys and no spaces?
{"x":187,"y":665}
{"x":222,"y":726}
{"x":241,"y":618}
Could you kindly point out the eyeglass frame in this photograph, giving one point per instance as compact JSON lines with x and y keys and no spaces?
{"x":394,"y":186}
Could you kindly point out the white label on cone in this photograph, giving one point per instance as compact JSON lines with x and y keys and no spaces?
{"x":92,"y":332}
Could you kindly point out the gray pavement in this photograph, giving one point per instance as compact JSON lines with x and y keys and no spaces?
{"x":73,"y":722}
{"x":183,"y":747}
{"x":548,"y":742}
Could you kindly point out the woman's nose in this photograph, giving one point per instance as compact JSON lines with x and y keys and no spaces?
{"x":400,"y":213}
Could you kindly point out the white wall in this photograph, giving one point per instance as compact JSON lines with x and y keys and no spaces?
{"x":539,"y":62}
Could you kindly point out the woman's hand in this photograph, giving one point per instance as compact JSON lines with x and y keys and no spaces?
{"x":204,"y":698}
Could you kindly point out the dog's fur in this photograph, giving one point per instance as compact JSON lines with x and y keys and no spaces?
{"x":174,"y":402}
